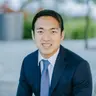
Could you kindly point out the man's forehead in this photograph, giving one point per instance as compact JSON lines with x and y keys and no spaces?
{"x":47,"y":23}
{"x":46,"y":19}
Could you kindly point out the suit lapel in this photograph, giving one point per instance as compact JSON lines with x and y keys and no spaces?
{"x":37,"y":74}
{"x":58,"y":69}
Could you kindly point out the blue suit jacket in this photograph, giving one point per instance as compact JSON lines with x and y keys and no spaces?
{"x":71,"y":76}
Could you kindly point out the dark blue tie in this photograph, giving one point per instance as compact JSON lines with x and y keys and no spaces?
{"x":45,"y":83}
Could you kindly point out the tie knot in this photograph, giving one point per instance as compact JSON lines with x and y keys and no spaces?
{"x":45,"y":64}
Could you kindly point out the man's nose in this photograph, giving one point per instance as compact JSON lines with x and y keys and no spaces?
{"x":46,"y":37}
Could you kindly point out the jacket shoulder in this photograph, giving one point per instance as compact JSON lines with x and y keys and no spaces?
{"x":31,"y":56}
{"x":74,"y":58}
{"x":74,"y":61}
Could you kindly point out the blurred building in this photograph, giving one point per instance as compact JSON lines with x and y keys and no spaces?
{"x":71,"y":8}
{"x":11,"y":23}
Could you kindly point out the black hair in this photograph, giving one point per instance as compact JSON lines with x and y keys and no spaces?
{"x":46,"y":12}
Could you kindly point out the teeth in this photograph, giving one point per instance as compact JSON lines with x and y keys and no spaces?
{"x":46,"y":45}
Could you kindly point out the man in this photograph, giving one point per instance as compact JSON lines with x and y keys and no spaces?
{"x":53,"y":70}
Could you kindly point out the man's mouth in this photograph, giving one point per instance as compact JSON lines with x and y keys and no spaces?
{"x":46,"y":45}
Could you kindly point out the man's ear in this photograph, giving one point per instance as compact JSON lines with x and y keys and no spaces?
{"x":62,"y":35}
{"x":32,"y":34}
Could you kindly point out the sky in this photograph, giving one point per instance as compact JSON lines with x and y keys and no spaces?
{"x":14,"y":4}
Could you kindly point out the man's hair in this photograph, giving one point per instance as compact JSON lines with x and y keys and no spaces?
{"x":46,"y":12}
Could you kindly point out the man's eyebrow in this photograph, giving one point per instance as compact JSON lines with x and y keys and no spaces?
{"x":49,"y":29}
{"x":39,"y":28}
{"x":53,"y":28}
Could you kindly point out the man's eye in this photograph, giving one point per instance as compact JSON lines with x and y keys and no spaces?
{"x":39,"y":31}
{"x":54,"y":31}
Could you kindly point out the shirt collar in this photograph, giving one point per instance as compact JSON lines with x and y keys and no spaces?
{"x":52,"y":59}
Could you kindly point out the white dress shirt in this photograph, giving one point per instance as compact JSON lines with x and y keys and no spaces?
{"x":52,"y":60}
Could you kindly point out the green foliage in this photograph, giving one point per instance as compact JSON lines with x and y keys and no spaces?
{"x":27,"y":30}
{"x":74,"y":28}
{"x":27,"y":27}
{"x":94,"y":1}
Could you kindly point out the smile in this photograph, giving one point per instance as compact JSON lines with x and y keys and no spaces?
{"x":46,"y":45}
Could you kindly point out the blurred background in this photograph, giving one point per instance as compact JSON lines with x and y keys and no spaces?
{"x":16,"y":41}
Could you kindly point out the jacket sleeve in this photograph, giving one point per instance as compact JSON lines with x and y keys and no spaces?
{"x":24,"y":89}
{"x":82,"y":80}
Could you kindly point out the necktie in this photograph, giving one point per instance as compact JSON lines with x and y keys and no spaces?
{"x":45,"y":79}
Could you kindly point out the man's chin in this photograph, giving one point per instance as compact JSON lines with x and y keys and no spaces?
{"x":46,"y":52}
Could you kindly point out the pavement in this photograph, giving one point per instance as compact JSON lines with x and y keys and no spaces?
{"x":13,"y":52}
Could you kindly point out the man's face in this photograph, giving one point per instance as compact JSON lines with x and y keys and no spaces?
{"x":47,"y":35}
